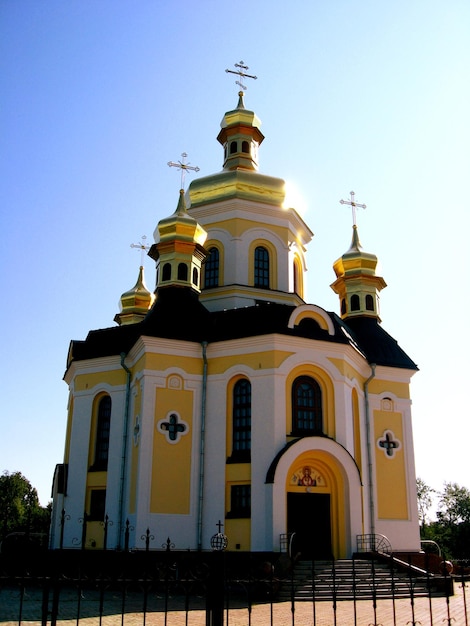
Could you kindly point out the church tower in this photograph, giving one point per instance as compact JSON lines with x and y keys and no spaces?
{"x":225,"y":396}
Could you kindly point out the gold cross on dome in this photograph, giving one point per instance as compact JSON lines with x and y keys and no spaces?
{"x":142,"y":247}
{"x":183,"y":166}
{"x":241,"y":72}
{"x":354,"y":205}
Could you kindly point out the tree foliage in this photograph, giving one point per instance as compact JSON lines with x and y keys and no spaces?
{"x":451,"y":530}
{"x":454,"y":504}
{"x":20,"y":510}
{"x":425,"y":501}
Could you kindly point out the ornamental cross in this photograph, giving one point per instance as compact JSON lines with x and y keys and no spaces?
{"x":183,"y":166}
{"x":172,"y":427}
{"x":142,"y":247}
{"x":354,"y":205}
{"x":389,"y":444}
{"x":241,"y":72}
{"x":219,"y":526}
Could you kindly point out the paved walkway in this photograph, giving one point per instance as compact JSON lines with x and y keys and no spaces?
{"x":434,"y":612}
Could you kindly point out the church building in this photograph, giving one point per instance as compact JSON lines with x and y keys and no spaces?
{"x":223,"y":396}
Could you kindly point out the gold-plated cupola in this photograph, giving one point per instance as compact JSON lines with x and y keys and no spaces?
{"x":178,"y":249}
{"x":240,"y":137}
{"x":135,"y":303}
{"x":356,"y":282}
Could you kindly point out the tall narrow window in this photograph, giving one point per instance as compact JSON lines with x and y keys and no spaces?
{"x":211,"y":269}
{"x":298,"y":286}
{"x":182,"y":271}
{"x":166,"y":272}
{"x":306,"y":407}
{"x":195,"y":277}
{"x":245,"y":147}
{"x":355,"y":303}
{"x":240,"y":501}
{"x":261,"y":267}
{"x":102,"y":434}
{"x":242,"y":420}
{"x":97,"y":505}
{"x":369,"y":302}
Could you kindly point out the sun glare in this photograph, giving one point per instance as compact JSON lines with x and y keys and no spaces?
{"x":294,"y":199}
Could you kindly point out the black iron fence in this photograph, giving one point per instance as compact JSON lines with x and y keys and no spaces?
{"x":170,"y":586}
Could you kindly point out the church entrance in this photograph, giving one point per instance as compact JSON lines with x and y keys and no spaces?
{"x":308,"y":516}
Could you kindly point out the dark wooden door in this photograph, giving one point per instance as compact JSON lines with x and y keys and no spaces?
{"x":308,"y":516}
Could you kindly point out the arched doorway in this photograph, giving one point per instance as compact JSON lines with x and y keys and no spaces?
{"x":315,"y":506}
{"x":330,"y":486}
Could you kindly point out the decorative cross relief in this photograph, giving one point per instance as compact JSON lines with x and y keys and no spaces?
{"x":173,"y":428}
{"x":388,"y":443}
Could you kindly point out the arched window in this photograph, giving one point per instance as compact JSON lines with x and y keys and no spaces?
{"x":355,"y":304}
{"x":261,"y":267}
{"x":233,"y":147}
{"x":343,"y":306}
{"x":211,"y":269}
{"x":103,"y":425}
{"x":182,"y":271}
{"x":166,"y":272}
{"x":306,"y":407}
{"x":298,"y":286}
{"x":369,"y":302}
{"x":195,"y":276}
{"x":241,"y":420}
{"x":246,"y":147}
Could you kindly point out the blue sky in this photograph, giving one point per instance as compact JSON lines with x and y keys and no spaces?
{"x":97,"y":97}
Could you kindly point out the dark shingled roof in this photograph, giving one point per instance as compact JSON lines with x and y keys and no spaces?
{"x":178,"y":314}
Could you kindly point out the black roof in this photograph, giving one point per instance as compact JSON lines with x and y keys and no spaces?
{"x":178,"y":314}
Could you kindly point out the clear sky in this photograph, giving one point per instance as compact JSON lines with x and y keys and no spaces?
{"x":97,"y":97}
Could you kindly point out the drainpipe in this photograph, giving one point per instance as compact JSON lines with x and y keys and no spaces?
{"x":369,"y":451}
{"x":124,"y":449}
{"x":201,"y":454}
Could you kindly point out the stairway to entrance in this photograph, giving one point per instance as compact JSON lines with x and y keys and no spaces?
{"x":359,"y":579}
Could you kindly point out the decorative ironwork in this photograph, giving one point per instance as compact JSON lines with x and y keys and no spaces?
{"x":107,"y":522}
{"x":373,"y":543}
{"x":219,"y":541}
{"x":126,"y":535}
{"x":168,"y":545}
{"x":354,"y":205}
{"x":148,"y":537}
{"x":183,"y":166}
{"x":63,"y":518}
{"x":143,"y":247}
{"x":241,"y":73}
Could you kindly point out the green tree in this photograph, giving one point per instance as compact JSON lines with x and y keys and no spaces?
{"x":425,"y":501}
{"x":454,"y":504}
{"x":20,"y":510}
{"x":452,"y":528}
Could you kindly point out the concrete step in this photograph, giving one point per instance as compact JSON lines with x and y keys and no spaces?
{"x":347,"y":579}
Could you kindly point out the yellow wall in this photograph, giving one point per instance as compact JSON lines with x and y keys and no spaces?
{"x":392,"y":497}
{"x":90,"y":380}
{"x":171,"y":467}
{"x":357,"y":430}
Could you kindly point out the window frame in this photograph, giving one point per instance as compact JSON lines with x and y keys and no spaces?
{"x":306,"y":425}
